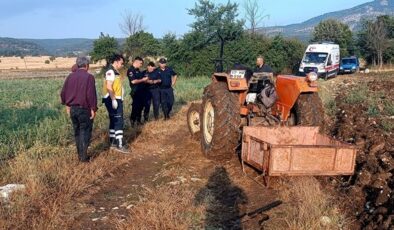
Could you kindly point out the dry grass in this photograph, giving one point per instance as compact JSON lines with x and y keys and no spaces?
{"x":306,"y":206}
{"x":328,"y":98}
{"x":167,"y":206}
{"x":53,"y":177}
{"x":164,"y":208}
{"x":30,"y":63}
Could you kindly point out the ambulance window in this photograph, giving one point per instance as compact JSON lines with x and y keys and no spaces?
{"x":317,"y":58}
{"x":329,"y":62}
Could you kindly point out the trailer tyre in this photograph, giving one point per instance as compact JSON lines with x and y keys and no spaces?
{"x":193,"y":120}
{"x":308,"y":110}
{"x":220,"y":122}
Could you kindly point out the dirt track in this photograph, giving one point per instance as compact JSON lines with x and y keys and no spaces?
{"x":164,"y":157}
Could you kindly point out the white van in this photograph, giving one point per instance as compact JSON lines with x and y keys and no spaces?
{"x":322,"y":58}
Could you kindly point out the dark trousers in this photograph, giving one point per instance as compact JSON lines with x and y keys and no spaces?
{"x":82,"y":125}
{"x":116,"y":122}
{"x":154,"y":98}
{"x":167,"y":101}
{"x":139,"y":100}
{"x":146,"y":104}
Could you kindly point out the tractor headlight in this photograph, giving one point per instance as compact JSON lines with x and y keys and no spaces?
{"x":312,"y":76}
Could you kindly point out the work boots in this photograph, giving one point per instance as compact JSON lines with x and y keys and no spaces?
{"x":120,"y":147}
{"x":112,"y":142}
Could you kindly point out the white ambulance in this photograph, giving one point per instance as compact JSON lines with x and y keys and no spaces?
{"x":322,"y":58}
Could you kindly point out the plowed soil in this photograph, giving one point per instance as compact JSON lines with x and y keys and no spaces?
{"x":364,"y":118}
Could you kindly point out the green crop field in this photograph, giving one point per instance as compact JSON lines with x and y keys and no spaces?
{"x":31,"y":113}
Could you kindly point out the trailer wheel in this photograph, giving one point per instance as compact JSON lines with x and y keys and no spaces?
{"x":220,"y":122}
{"x":308,"y":110}
{"x":193,"y":120}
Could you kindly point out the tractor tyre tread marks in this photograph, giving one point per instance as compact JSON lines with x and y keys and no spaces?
{"x":309,"y":110}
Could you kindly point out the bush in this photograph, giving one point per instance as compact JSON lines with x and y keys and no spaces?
{"x":47,"y":62}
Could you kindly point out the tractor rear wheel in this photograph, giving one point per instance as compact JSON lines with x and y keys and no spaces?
{"x":308,"y":110}
{"x":193,"y":120}
{"x":220,"y":122}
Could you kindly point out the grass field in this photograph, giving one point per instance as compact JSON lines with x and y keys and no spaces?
{"x":36,"y":149}
{"x":31,"y":112}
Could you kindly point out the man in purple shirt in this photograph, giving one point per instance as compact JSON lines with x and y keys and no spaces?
{"x":79,"y":96}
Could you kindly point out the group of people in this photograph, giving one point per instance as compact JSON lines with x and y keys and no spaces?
{"x":152,"y":86}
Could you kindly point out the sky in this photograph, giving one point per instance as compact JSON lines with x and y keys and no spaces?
{"x":87,"y":18}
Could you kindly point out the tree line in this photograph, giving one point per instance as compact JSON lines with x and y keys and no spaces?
{"x":217,"y":34}
{"x":374,"y":41}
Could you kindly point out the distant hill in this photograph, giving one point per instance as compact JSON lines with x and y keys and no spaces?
{"x":352,"y":17}
{"x":67,"y":47}
{"x":64,"y":47}
{"x":17,"y":47}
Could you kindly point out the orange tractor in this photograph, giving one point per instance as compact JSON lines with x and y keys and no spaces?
{"x":275,"y":122}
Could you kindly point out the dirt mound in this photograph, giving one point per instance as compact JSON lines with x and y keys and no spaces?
{"x":365,"y":118}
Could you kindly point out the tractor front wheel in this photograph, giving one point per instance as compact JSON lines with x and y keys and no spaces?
{"x":220,"y":122}
{"x":193,"y":120}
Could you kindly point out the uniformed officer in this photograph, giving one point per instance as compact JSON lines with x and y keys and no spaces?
{"x":168,"y":79}
{"x":113,"y":99}
{"x":153,"y":82}
{"x":137,"y":82}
